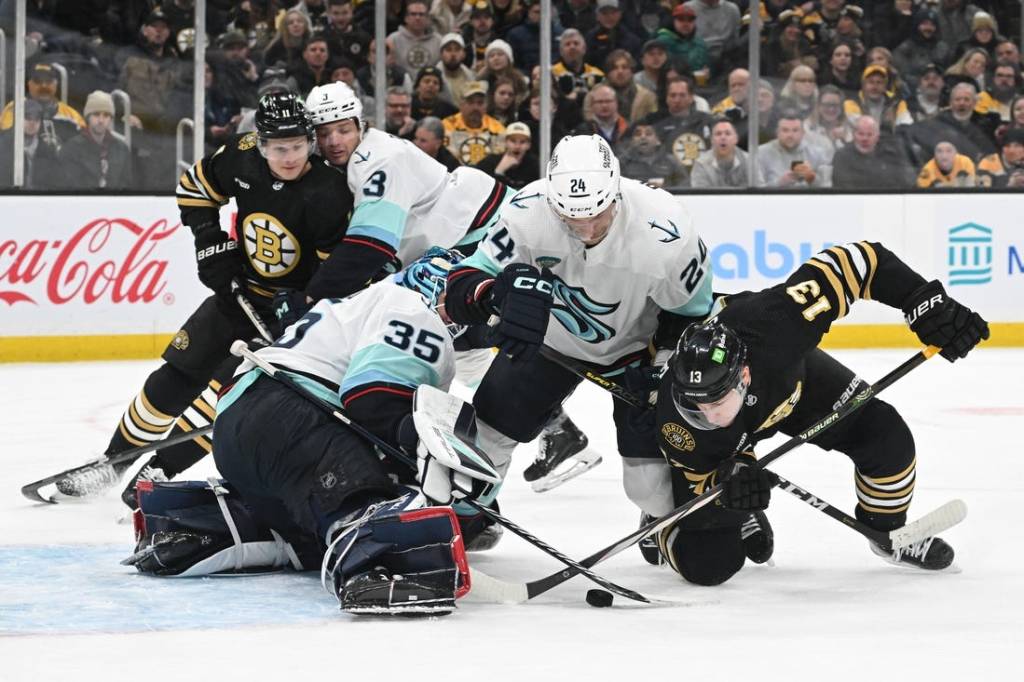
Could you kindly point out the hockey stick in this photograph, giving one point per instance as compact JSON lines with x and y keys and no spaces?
{"x":31,"y":491}
{"x":237,"y":289}
{"x":584,"y":372}
{"x":529,"y":590}
{"x":939,"y":519}
{"x":240,"y":348}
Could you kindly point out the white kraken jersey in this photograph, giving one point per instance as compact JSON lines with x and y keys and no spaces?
{"x":406,"y":202}
{"x":608,"y":296}
{"x":384,"y":337}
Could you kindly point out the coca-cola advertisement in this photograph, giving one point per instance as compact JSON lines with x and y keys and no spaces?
{"x":84,"y":265}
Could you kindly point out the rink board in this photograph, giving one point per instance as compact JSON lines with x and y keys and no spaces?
{"x":85,"y":278}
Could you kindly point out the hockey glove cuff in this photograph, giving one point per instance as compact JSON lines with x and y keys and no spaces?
{"x":289,"y":306}
{"x":938,"y":320}
{"x":745,"y":486}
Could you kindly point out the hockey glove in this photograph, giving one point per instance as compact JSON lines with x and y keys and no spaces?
{"x":217,"y":258}
{"x":745,"y":486}
{"x":938,"y":320}
{"x":645,"y":381}
{"x":289,"y":306}
{"x":443,"y":485}
{"x":523,"y":296}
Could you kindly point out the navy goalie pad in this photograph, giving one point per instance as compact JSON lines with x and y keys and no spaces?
{"x":195,"y":528}
{"x":397,"y":557}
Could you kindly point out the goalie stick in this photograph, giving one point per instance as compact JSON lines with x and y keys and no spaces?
{"x":241,"y":349}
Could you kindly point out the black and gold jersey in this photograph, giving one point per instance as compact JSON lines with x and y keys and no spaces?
{"x":782,"y":327}
{"x":285,"y":228}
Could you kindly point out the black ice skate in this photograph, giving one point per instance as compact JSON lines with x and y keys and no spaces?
{"x":379,"y":592}
{"x":561,"y":455}
{"x":649,"y":545}
{"x":931,"y":554}
{"x":92,"y":480}
{"x":758,"y":538}
{"x":151,"y":471}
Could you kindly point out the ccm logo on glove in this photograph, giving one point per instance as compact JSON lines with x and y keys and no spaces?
{"x":528,"y":283}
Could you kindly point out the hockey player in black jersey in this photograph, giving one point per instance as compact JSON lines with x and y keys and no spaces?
{"x":293,"y":211}
{"x":754,"y":369}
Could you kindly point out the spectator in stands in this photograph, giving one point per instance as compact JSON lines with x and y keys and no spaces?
{"x":984,"y":35}
{"x":841,"y":71}
{"x":222,"y":112}
{"x":1006,"y":82}
{"x":1007,"y":52}
{"x":684,"y":132}
{"x":1006,"y":167}
{"x":725,"y":165}
{"x":415,"y":43}
{"x":517,"y":166}
{"x":529,"y":113}
{"x":344,"y":38}
{"x":643,"y":157}
{"x":449,"y":16}
{"x":873,"y":100}
{"x":499,"y":63}
{"x":1017,"y":112}
{"x":426,"y":100}
{"x":97,"y":158}
{"x":927,"y":99}
{"x":800,"y":92}
{"x":478,"y":33}
{"x":235,"y":73}
{"x":396,"y":75}
{"x":314,"y":11}
{"x":41,"y":169}
{"x":398,"y":118}
{"x":947,"y":169}
{"x":739,"y":86}
{"x":652,"y":62}
{"x":501,"y":101}
{"x":970,"y":68}
{"x":60,"y":121}
{"x":312,"y":70}
{"x":574,"y":77}
{"x":681,"y":40}
{"x":429,"y":136}
{"x":897,"y":87}
{"x":828,"y":121}
{"x":525,"y":36}
{"x":471,"y":134}
{"x":787,"y":48}
{"x":925,"y":46}
{"x":455,"y":75}
{"x":635,"y":101}
{"x":973,"y":134}
{"x":866,"y":164}
{"x":955,"y":20}
{"x":292,"y":33}
{"x":849,"y":31}
{"x":645,"y":17}
{"x":605,"y":119}
{"x":718,"y":25}
{"x":610,"y":34}
{"x":893,"y":22}
{"x":820,"y":21}
{"x":508,"y":13}
{"x":577,"y":14}
{"x":787,"y":161}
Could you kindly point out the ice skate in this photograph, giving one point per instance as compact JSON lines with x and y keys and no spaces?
{"x":758,"y":538}
{"x":649,"y":545}
{"x":931,"y":554}
{"x":92,"y":480}
{"x":561,"y":455}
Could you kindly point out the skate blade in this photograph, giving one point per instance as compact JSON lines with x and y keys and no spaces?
{"x":580,"y":464}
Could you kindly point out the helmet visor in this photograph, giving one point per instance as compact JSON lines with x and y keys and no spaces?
{"x":714,"y":415}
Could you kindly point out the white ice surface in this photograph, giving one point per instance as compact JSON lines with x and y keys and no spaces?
{"x":828,"y":609}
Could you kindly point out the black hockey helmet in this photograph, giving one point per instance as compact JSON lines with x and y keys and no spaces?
{"x":282,"y":114}
{"x":707,"y":364}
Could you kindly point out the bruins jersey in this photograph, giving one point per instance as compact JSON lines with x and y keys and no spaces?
{"x":685,"y":137}
{"x":782,"y":327}
{"x":285,"y":228}
{"x":960,"y":175}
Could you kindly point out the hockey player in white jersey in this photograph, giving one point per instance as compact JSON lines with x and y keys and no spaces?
{"x":293,"y":468}
{"x":597,"y":267}
{"x":405,"y":202}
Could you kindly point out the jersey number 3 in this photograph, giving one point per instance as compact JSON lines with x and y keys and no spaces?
{"x":374,"y":186}
{"x":427,"y":345}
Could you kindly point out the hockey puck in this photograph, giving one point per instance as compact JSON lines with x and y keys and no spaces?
{"x":599,"y":598}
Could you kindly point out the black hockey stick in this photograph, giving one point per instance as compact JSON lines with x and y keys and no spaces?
{"x":584,"y":372}
{"x":534,"y":588}
{"x":241,"y":349}
{"x":31,"y":491}
{"x":237,"y":289}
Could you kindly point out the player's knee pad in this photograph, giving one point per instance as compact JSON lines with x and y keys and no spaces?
{"x":703,"y":556}
{"x":397,"y":557}
{"x":648,"y":484}
{"x":194,"y":528}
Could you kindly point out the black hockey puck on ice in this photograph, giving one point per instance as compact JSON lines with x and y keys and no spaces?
{"x":599,"y":598}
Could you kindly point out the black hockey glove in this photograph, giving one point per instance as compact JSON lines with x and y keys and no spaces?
{"x":745,"y":486}
{"x":217,"y":258}
{"x":289,"y":306}
{"x":523,"y":296}
{"x":938,"y":320}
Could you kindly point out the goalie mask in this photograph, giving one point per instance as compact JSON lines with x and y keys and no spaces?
{"x":428,"y":275}
{"x":709,"y":381}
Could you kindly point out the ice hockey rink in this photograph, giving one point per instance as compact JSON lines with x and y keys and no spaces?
{"x":827,"y":609}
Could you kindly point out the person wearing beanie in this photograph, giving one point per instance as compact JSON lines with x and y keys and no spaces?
{"x":426,"y":96}
{"x":610,"y":34}
{"x":41,"y":164}
{"x":455,"y":75}
{"x":947,"y":168}
{"x":499,"y":62}
{"x":1005,"y":168}
{"x":924,"y":46}
{"x":984,"y":35}
{"x":99,"y":158}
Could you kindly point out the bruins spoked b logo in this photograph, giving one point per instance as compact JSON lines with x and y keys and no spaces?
{"x":270,"y":247}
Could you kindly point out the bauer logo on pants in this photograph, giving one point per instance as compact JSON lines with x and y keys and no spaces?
{"x":678,"y":437}
{"x":270,"y":247}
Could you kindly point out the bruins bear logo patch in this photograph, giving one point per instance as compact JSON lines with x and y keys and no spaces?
{"x":678,"y":437}
{"x":247,"y":142}
{"x":180,"y":340}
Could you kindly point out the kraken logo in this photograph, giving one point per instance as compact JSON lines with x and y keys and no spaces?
{"x":578,"y":313}
{"x":270,"y":247}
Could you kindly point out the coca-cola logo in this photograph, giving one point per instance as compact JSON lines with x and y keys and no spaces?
{"x":72,"y":270}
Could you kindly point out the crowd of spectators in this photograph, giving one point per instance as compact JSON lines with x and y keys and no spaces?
{"x":854,"y":95}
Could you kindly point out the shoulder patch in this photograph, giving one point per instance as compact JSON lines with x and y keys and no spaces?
{"x":248,"y":141}
{"x":678,"y":437}
{"x":548,"y":261}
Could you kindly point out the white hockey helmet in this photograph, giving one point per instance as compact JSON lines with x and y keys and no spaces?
{"x":583,"y":176}
{"x":333,"y":102}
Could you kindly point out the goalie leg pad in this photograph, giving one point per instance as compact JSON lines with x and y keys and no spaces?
{"x":397,"y":558}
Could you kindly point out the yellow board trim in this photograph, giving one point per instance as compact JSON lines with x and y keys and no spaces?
{"x":148,"y":346}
